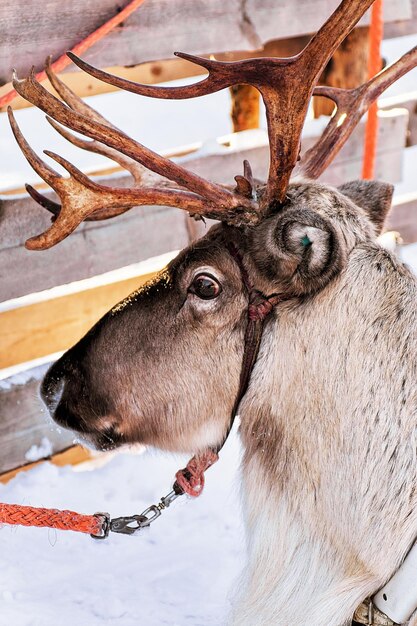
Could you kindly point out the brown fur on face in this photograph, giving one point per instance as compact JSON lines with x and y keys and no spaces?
{"x":163,"y":366}
{"x":150,"y":371}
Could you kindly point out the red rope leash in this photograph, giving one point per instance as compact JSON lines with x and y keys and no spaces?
{"x":81,"y":47}
{"x":191,"y":478}
{"x":374,"y":66}
{"x":16,"y":514}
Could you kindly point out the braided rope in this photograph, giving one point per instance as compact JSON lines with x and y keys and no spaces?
{"x":191,"y":478}
{"x":17,"y":514}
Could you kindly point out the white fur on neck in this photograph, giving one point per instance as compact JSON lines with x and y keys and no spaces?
{"x":293,"y":577}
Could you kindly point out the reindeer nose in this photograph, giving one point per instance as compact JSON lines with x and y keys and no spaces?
{"x":52,"y":388}
{"x":52,"y":392}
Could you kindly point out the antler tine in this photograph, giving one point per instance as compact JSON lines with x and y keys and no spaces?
{"x":41,"y":168}
{"x":135,"y":169}
{"x":73,"y":101}
{"x":77,"y":104}
{"x":83,"y":199}
{"x":55,"y":208}
{"x":55,"y":180}
{"x":46,"y":203}
{"x":31,"y":90}
{"x":216,"y":80}
{"x":245,"y":184}
{"x":351,"y":104}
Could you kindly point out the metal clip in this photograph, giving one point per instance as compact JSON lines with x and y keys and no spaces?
{"x":155,"y":511}
{"x":132,"y":523}
{"x":105,"y":525}
{"x":124,"y":525}
{"x":169,"y":499}
{"x":370,"y":613}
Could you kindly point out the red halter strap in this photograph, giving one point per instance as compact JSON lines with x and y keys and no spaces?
{"x":190,"y":480}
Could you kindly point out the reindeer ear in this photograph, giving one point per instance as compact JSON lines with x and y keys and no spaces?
{"x":298,"y":251}
{"x":373,"y":197}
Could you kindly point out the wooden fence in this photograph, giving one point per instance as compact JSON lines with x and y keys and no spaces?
{"x":35,"y":322}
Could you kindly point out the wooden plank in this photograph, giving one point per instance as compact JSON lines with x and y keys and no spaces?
{"x":90,"y":252}
{"x":302,"y":16}
{"x":157,"y":29}
{"x":99,"y":247}
{"x":403,"y":217}
{"x":158,"y":71}
{"x":48,"y":326}
{"x":23,"y":421}
{"x":399,"y":27}
{"x":85,"y":85}
{"x":406,"y":101}
{"x":71,"y":456}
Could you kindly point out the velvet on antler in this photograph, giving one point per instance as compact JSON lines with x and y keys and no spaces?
{"x":286,"y":86}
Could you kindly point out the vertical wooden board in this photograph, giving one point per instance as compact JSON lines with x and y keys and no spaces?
{"x":24,"y":423}
{"x":347,"y":68}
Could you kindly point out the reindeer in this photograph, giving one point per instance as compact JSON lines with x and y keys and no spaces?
{"x":326,"y":391}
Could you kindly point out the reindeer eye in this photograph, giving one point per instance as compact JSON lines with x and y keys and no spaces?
{"x":205,"y":287}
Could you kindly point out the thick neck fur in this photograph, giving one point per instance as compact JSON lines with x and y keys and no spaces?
{"x":329,"y":429}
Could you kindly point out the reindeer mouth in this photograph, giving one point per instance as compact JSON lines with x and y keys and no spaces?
{"x":104,"y":441}
{"x":69,"y":409}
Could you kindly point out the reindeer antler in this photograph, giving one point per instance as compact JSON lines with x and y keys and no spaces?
{"x":81,"y":197}
{"x":286,"y":86}
{"x":351,"y":104}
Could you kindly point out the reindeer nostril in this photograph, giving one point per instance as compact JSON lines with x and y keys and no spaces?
{"x":52,"y":389}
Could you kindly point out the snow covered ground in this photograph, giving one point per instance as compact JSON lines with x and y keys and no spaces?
{"x":182,"y":571}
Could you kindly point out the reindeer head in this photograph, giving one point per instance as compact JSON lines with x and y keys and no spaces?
{"x":164,"y":366}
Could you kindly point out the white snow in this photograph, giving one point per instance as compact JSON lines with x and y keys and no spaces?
{"x":41,"y":451}
{"x":181,"y":572}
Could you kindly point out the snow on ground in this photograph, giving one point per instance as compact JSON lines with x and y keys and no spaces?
{"x":181,"y":572}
